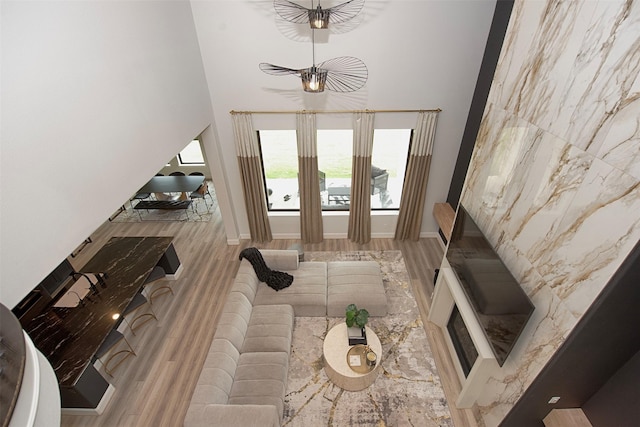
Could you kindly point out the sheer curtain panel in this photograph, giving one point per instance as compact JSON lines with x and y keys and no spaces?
{"x":416,"y":177}
{"x":311,"y":229}
{"x":360,"y":203}
{"x":248,"y":153}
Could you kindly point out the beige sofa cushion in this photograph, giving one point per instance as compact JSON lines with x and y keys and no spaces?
{"x":232,"y":415}
{"x":307,"y":294}
{"x":280,"y":260}
{"x":261,"y":379}
{"x":234,"y":320}
{"x":216,"y":378}
{"x":270,"y":329}
{"x":246,"y":282}
{"x":355,"y":282}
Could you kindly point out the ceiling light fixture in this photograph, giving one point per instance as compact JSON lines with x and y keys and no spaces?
{"x":342,"y":74}
{"x":318,"y":18}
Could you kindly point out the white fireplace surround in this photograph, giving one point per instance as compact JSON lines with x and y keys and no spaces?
{"x":449,"y":293}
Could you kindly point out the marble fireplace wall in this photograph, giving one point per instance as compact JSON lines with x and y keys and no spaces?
{"x":554,"y":180}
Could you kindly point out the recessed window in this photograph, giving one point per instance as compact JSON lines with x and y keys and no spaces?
{"x":191,"y":154}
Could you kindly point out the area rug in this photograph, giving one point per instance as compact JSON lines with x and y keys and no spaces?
{"x":198,"y":211}
{"x":407,"y":391}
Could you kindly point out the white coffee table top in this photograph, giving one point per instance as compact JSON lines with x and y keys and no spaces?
{"x":335,"y":348}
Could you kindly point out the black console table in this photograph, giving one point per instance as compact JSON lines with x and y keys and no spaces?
{"x":69,"y":337}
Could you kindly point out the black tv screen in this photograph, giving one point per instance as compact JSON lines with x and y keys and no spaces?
{"x":501,"y":305}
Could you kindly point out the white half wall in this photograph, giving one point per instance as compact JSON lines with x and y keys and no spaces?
{"x":96,"y":97}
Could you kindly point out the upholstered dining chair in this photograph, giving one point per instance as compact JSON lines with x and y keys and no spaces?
{"x":177,"y":173}
{"x":201,"y":193}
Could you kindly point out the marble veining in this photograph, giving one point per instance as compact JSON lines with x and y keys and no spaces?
{"x":554,"y":180}
{"x":69,"y":337}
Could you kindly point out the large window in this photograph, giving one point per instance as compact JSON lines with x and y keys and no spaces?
{"x":191,"y":154}
{"x":280,"y":165}
{"x":335,"y":152}
{"x":388,"y":165}
{"x":335,"y":156}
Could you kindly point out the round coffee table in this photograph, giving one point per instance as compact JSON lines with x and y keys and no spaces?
{"x":335,"y":349}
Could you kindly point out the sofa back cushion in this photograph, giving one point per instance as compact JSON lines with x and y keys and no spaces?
{"x":217,"y":375}
{"x":280,"y":260}
{"x":234,"y":319}
{"x":246,"y":281}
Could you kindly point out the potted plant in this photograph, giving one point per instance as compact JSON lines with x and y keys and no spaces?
{"x":356,"y":319}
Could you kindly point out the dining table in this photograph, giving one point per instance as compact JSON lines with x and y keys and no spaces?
{"x":172,"y":184}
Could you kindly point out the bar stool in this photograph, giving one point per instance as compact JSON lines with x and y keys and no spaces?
{"x":138,"y":301}
{"x":112,"y":339}
{"x":156,"y":274}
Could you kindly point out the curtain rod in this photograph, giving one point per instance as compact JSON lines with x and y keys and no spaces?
{"x":334,"y":111}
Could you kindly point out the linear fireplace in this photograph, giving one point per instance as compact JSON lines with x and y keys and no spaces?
{"x":500,"y":304}
{"x":462,"y":341}
{"x":450,"y":309}
{"x":479,"y":305}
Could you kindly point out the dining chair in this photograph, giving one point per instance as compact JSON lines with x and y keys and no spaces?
{"x":106,"y":348}
{"x":201,"y":193}
{"x":177,"y":173}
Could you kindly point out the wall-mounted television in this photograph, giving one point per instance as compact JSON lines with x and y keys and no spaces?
{"x":500,"y":304}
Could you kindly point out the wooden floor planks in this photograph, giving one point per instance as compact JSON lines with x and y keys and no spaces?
{"x":154,"y":388}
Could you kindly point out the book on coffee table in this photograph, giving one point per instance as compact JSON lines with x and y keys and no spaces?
{"x":357,"y":335}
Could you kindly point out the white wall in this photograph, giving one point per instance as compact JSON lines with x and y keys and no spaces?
{"x":96,"y":97}
{"x":420,"y":55}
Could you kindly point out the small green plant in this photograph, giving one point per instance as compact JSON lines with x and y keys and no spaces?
{"x":356,"y":316}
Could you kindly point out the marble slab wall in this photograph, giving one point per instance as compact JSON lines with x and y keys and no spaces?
{"x":554,"y":181}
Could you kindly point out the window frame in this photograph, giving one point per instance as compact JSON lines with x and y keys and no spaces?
{"x":182,"y":163}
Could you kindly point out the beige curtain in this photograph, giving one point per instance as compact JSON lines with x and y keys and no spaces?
{"x":416,"y":177}
{"x":252,"y":177}
{"x":360,"y":202}
{"x":308,"y":180}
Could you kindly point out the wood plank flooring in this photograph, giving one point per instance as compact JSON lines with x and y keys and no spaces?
{"x":155,"y":387}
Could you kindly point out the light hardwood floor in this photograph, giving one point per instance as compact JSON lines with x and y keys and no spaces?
{"x":155,"y":387}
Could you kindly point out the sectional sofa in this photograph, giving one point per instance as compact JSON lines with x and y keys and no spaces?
{"x":244,"y":377}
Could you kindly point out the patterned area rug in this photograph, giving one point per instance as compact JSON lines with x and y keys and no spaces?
{"x":197,"y":212}
{"x":407,"y":391}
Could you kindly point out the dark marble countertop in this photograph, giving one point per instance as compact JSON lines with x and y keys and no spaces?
{"x":69,"y":337}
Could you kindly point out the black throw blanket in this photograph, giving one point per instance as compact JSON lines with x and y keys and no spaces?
{"x":275,"y":279}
